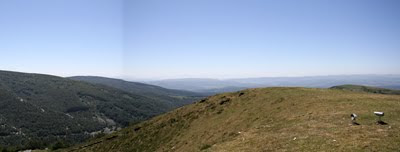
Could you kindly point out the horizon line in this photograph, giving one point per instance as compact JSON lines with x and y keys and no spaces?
{"x":141,"y":79}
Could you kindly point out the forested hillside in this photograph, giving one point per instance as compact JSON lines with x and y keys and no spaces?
{"x":37,"y":110}
{"x":169,"y":97}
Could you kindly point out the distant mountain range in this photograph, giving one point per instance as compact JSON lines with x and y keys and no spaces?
{"x":215,"y":85}
{"x":358,"y":88}
{"x":38,"y":110}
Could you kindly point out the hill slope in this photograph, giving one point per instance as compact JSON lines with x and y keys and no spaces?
{"x":44,"y":109}
{"x":172,"y":98}
{"x":270,"y":119}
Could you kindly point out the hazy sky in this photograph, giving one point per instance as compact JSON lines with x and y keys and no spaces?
{"x":151,"y":39}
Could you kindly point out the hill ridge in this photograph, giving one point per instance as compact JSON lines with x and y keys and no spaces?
{"x":267,"y":119}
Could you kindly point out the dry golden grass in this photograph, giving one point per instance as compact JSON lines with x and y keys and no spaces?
{"x":270,"y":119}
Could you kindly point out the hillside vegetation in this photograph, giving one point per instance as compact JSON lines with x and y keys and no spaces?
{"x":270,"y":119}
{"x":169,"y":97}
{"x":37,"y":111}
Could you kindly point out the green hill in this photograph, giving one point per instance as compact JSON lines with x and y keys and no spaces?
{"x":367,"y":89}
{"x":38,"y":110}
{"x":270,"y":119}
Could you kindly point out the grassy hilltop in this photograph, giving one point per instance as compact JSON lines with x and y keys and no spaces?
{"x":270,"y":119}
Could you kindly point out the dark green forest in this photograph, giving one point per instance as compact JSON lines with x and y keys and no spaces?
{"x":38,"y":111}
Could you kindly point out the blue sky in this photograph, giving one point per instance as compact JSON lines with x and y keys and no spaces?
{"x":158,"y":39}
{"x":62,"y":37}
